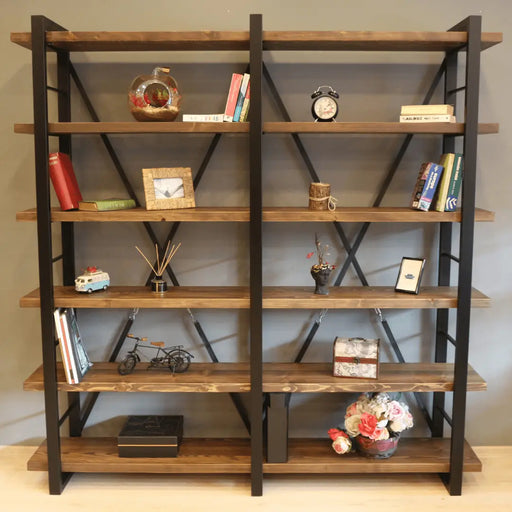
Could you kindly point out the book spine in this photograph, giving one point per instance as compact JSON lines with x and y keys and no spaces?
{"x":69,"y":349}
{"x":203,"y":118}
{"x":427,"y":118}
{"x":106,"y":204}
{"x":64,"y":181}
{"x":447,"y":162}
{"x":245,"y":107}
{"x":430,"y":186}
{"x":234,"y":88}
{"x":455,"y":184}
{"x":241,"y":97}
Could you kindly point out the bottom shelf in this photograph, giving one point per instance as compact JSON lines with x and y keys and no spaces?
{"x":99,"y":455}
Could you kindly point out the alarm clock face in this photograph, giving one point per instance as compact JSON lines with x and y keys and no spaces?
{"x":325,"y":108}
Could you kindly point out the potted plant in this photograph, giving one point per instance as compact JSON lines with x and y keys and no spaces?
{"x":373,"y":424}
{"x":321,"y":271}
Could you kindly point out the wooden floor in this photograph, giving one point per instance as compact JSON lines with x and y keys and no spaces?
{"x":489,"y":491}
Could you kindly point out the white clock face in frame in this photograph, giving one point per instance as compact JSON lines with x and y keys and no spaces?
{"x":325,"y":107}
{"x":168,"y":188}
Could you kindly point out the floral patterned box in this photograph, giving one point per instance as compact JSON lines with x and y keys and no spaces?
{"x":356,"y":357}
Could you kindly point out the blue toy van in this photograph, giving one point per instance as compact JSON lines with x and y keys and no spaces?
{"x":91,"y":280}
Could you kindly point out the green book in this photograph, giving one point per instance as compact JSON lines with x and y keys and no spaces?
{"x":455,"y":184}
{"x":103,"y":205}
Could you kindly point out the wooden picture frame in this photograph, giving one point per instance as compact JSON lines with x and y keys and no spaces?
{"x":409,"y":276}
{"x":167,"y":188}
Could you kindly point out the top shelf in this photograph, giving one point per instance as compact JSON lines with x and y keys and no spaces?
{"x":272,"y":40}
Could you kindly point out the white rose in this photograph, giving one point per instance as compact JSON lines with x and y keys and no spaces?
{"x":402,"y":423}
{"x":352,"y":425}
{"x":384,"y":435}
{"x":342,"y":445}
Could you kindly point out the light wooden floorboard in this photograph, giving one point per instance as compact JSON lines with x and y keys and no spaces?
{"x":489,"y":491}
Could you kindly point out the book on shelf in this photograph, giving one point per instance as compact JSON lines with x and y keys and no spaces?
{"x":102,"y":205}
{"x":441,"y":194}
{"x":455,"y":184}
{"x":245,"y":107}
{"x":203,"y":118}
{"x":426,"y":184}
{"x":75,"y":360}
{"x":413,"y":110}
{"x":64,"y":181}
{"x":241,"y":97}
{"x":234,"y":89}
{"x":428,"y":118}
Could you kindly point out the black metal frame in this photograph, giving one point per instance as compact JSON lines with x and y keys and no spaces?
{"x":56,"y":477}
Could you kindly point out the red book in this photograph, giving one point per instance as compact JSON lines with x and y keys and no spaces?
{"x":234,"y":89}
{"x":64,"y":181}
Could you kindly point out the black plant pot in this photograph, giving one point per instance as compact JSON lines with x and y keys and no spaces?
{"x":321,"y":274}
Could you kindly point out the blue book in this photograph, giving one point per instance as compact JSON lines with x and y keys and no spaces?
{"x":241,"y":97}
{"x":426,"y":184}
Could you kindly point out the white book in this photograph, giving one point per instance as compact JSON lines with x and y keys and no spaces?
{"x":413,"y":110}
{"x":66,"y":361}
{"x":427,"y":118}
{"x":203,"y":118}
{"x":69,"y":347}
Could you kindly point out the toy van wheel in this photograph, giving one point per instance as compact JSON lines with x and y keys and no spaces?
{"x":89,"y":290}
{"x":105,"y":287}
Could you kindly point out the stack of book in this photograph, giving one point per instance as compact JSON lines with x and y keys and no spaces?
{"x":438,"y":184}
{"x":237,"y":103}
{"x":427,"y":114}
{"x":75,"y":360}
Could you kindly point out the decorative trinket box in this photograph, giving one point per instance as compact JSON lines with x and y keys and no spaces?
{"x":150,"y":436}
{"x":356,"y":357}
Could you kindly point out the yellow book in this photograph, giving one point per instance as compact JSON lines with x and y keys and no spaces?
{"x":446,"y":161}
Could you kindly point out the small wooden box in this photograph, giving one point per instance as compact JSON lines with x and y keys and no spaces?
{"x":150,"y":436}
{"x":356,"y":357}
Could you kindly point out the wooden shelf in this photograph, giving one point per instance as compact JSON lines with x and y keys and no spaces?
{"x":202,"y":214}
{"x":134,"y":127}
{"x":270,"y":214}
{"x":393,"y":377}
{"x":199,"y":378}
{"x":277,"y":378}
{"x":363,"y":214}
{"x":274,"y":297}
{"x":365,"y":297}
{"x":374,"y":128}
{"x":272,"y":40}
{"x":369,"y":128}
{"x":99,"y":455}
{"x":177,"y":297}
{"x":413,"y":455}
{"x":139,"y":41}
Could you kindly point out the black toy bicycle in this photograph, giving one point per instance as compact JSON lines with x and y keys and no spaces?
{"x":175,"y":358}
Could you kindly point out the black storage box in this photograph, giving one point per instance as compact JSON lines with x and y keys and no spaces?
{"x":151,"y":436}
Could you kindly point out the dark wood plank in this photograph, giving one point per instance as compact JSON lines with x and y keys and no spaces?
{"x":199,"y":378}
{"x":374,"y":128}
{"x":413,"y":455}
{"x":393,"y":377}
{"x":100,"y":455}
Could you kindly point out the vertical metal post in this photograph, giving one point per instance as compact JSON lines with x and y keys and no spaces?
{"x":256,"y":280}
{"x":465,"y":253}
{"x":445,"y":248}
{"x":40,"y":25}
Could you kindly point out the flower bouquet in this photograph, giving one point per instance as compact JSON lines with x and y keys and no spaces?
{"x":373,"y":424}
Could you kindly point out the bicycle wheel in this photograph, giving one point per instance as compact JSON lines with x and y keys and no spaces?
{"x":127,"y":365}
{"x":179,"y":363}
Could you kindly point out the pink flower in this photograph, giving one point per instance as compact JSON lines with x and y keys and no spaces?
{"x":334,"y":433}
{"x":368,"y":426}
{"x":395,"y":410}
{"x":351,"y":409}
{"x":342,"y":445}
{"x":309,"y":255}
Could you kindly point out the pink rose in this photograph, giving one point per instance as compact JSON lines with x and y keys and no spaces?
{"x":395,"y":410}
{"x":342,"y":445}
{"x":368,"y":426}
{"x":351,"y":409}
{"x":334,"y":433}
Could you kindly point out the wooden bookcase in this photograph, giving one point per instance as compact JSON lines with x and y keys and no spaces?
{"x":450,"y":457}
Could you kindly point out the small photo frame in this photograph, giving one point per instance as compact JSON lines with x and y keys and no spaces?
{"x":167,"y":188}
{"x":409,"y":276}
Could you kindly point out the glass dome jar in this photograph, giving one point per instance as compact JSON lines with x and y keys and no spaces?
{"x":154,"y":97}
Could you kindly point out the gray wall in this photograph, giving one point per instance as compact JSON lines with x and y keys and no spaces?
{"x":373,"y":86}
